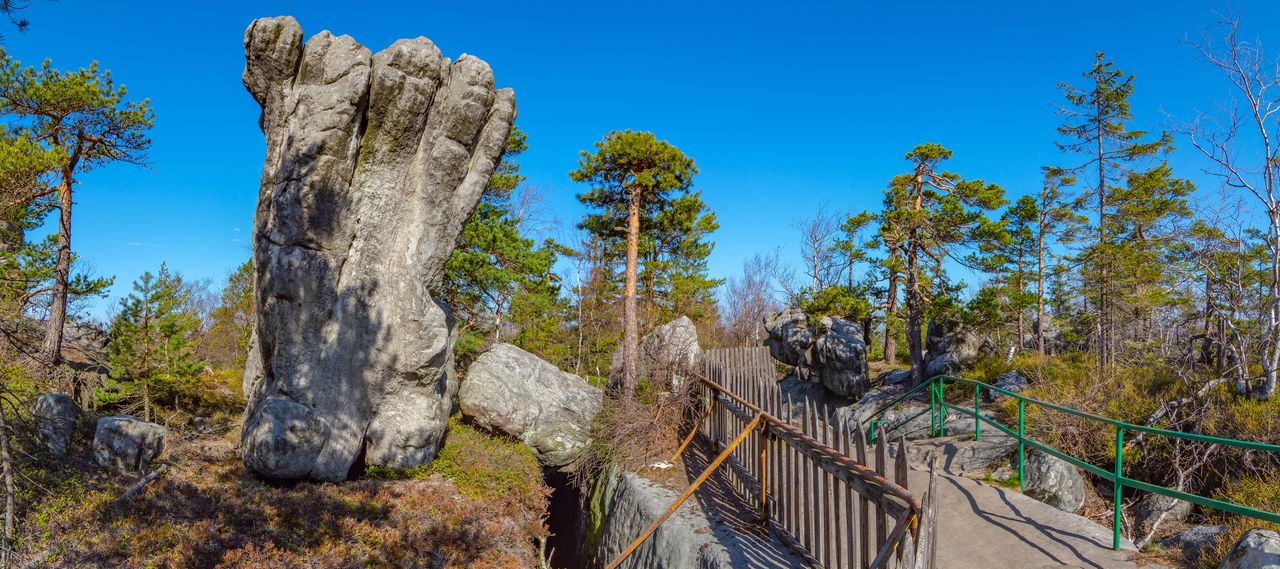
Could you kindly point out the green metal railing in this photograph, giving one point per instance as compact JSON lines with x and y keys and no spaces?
{"x":938,"y":409}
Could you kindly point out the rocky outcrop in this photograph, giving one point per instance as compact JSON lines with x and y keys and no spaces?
{"x":668,"y":354}
{"x":1194,"y":541}
{"x":125,"y":443}
{"x":373,"y":164}
{"x":950,"y":347}
{"x":1009,"y":381}
{"x":1256,"y":549}
{"x":1155,"y":511}
{"x":833,"y":353}
{"x":55,"y":417}
{"x":1054,"y":482}
{"x":622,"y":504}
{"x":965,"y":457}
{"x":510,"y":390}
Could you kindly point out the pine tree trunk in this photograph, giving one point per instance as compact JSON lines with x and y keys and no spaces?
{"x":10,"y":508}
{"x":630,"y":329}
{"x":891,"y":309}
{"x":1040,"y":292}
{"x":52,"y":346}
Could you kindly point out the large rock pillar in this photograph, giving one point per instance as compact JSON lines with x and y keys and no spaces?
{"x":374,"y":162}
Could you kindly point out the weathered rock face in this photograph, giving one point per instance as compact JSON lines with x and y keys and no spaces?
{"x":510,"y":390}
{"x":949,"y":347}
{"x":1194,"y":541}
{"x":55,"y":417}
{"x":125,"y":443}
{"x":1054,"y":482}
{"x":834,"y":355}
{"x":1155,"y":511}
{"x":1257,"y":549}
{"x":374,"y":162}
{"x":622,"y":504}
{"x":965,"y":457}
{"x":1010,"y":381}
{"x":668,"y":354}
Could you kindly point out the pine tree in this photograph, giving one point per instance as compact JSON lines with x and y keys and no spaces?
{"x":83,"y":117}
{"x":1096,"y":128}
{"x":494,"y":261}
{"x":1055,"y":223}
{"x":936,"y":213}
{"x":632,"y":176}
{"x":153,"y":340}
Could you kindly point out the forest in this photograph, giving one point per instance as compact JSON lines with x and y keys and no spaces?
{"x":1118,"y":286}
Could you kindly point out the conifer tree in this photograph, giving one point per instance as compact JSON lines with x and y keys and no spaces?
{"x":83,"y":118}
{"x":495,"y":261}
{"x":153,"y":340}
{"x":632,"y":176}
{"x":936,"y":213}
{"x":1096,"y":130}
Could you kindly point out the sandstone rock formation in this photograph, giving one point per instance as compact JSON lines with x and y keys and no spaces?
{"x":667,"y":354}
{"x":950,"y":347}
{"x":833,"y":353}
{"x":1256,"y":549}
{"x":55,"y":416}
{"x":510,"y":390}
{"x":125,"y":443}
{"x":1054,"y":482}
{"x":1009,"y":381}
{"x":373,"y":164}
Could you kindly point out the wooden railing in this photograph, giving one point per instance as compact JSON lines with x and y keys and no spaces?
{"x":819,"y":487}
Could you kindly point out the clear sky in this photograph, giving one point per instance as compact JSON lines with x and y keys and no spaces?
{"x":783,"y":105}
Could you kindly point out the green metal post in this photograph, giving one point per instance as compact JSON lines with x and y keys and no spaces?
{"x":942,"y":407}
{"x":977,"y":423}
{"x":933,"y":409}
{"x":1022,"y":446}
{"x":1115,"y":541}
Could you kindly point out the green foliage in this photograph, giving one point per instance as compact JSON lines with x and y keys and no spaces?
{"x":839,"y":301}
{"x":153,"y":343}
{"x":480,"y":465}
{"x":226,"y":341}
{"x":495,"y":262}
{"x":929,"y":215}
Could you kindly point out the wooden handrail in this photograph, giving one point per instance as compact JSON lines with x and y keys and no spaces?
{"x":687,"y":493}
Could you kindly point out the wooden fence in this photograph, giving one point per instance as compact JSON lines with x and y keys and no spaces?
{"x":819,"y":487}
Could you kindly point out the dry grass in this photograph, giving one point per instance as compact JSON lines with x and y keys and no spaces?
{"x":635,"y":432}
{"x":207,"y":511}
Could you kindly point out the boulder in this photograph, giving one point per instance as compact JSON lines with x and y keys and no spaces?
{"x":893,"y":377}
{"x":510,"y":390}
{"x":1194,"y":541}
{"x":125,"y":443}
{"x":373,"y":164}
{"x":789,"y":337}
{"x":833,"y":354}
{"x":1256,"y":549}
{"x":55,"y":417}
{"x":1010,"y":381}
{"x":668,"y":354}
{"x":1154,"y":511}
{"x":950,"y":347}
{"x":1053,"y":481}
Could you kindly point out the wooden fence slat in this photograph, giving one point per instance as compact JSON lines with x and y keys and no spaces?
{"x":882,"y":529}
{"x":864,"y":505}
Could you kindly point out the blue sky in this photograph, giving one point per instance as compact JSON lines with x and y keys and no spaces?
{"x":783,"y":105}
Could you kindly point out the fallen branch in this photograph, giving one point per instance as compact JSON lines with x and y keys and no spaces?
{"x":137,"y":486}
